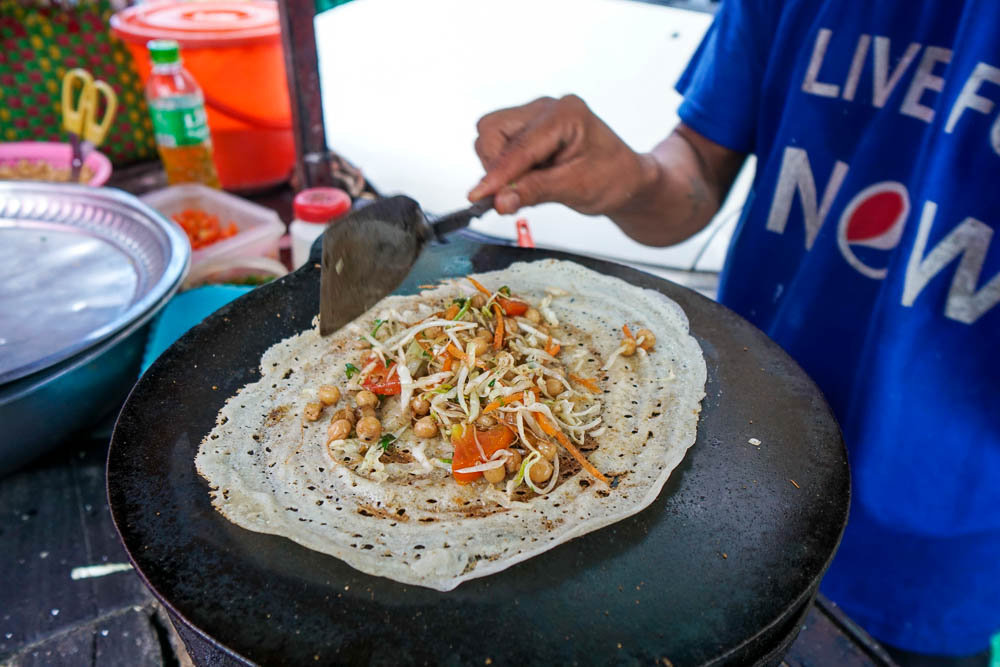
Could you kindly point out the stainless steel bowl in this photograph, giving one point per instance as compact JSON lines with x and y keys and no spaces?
{"x":81,"y":272}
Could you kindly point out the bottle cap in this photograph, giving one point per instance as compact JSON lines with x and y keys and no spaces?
{"x":163,"y":51}
{"x":321,"y":205}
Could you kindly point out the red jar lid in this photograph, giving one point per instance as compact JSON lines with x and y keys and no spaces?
{"x":206,"y":24}
{"x":321,"y":205}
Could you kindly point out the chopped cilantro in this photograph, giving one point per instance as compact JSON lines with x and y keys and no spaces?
{"x":465,"y":308}
{"x":378,"y":325}
{"x":448,"y":461}
{"x":385,"y":442}
{"x":351,"y":370}
{"x":505,"y":290}
{"x":492,"y":382}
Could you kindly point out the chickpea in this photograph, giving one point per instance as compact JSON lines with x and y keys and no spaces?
{"x":425,"y":427}
{"x":365,"y":397}
{"x":367,"y":411}
{"x":629,"y":345}
{"x":540,"y":471}
{"x":478,"y":300}
{"x":369,"y":429}
{"x":513,"y":463}
{"x":510,"y":324}
{"x":648,"y":339}
{"x":420,"y":406}
{"x":485,"y":422}
{"x":433,"y":332}
{"x":547,"y":449}
{"x":338,"y":430}
{"x":312,"y":411}
{"x":553,"y":386}
{"x":480,"y":345}
{"x":328,"y":394}
{"x":532,"y":315}
{"x":494,"y":475}
{"x":344,"y":413}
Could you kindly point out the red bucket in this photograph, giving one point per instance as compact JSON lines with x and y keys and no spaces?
{"x":233,"y":49}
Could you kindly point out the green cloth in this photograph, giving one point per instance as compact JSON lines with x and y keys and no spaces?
{"x":323,"y":5}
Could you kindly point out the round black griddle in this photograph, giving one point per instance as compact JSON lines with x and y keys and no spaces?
{"x":717,"y":570}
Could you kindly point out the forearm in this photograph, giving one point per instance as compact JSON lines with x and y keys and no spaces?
{"x":559,"y":151}
{"x":681,"y":188}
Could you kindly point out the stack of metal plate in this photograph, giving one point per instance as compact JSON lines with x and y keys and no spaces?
{"x":81,"y":271}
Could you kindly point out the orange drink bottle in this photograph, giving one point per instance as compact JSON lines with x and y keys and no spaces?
{"x":177,"y":107}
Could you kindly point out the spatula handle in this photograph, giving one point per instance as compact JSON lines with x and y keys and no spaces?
{"x":459,"y":219}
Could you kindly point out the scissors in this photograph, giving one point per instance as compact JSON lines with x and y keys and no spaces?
{"x":80,"y":119}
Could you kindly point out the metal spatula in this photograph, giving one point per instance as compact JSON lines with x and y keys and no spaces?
{"x":368,"y":254}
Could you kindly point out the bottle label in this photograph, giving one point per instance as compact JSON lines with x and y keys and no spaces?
{"x":180,"y":127}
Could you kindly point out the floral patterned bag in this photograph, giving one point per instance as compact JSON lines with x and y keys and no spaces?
{"x":39,"y":42}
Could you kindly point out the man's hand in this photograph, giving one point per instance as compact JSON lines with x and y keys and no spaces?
{"x":559,"y":151}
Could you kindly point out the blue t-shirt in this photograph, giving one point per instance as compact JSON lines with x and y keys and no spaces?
{"x":867,"y":251}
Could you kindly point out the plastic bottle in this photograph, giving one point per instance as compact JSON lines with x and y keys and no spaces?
{"x":177,"y":107}
{"x":314,"y":209}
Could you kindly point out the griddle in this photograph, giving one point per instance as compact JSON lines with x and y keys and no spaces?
{"x":717,"y":570}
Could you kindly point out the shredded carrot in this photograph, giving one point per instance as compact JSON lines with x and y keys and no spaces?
{"x":452,"y":311}
{"x":628,"y":333}
{"x":552,"y":349}
{"x":479,"y":286}
{"x":589,"y":383}
{"x":203,"y":228}
{"x":551,"y":430}
{"x":446,"y":365}
{"x":493,"y":405}
{"x":498,"y":336}
{"x":455,"y":352}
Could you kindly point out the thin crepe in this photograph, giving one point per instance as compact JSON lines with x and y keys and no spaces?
{"x":270,"y":471}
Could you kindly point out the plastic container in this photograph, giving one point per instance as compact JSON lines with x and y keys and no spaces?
{"x":314,"y":209}
{"x":249,"y":271}
{"x":57,"y":155}
{"x":177,"y":107}
{"x":233,"y":49}
{"x":259,"y":228}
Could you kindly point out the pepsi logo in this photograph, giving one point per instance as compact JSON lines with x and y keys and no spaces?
{"x":874,"y":218}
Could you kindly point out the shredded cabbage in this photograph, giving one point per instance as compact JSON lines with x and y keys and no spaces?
{"x":407,"y":335}
{"x":372,"y":464}
{"x":418,"y":453}
{"x":489,"y":465}
{"x":614,"y":356}
{"x":525,"y":463}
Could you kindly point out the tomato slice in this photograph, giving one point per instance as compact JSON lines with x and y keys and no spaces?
{"x":463,"y":439}
{"x":511,"y":307}
{"x":383,"y":380}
